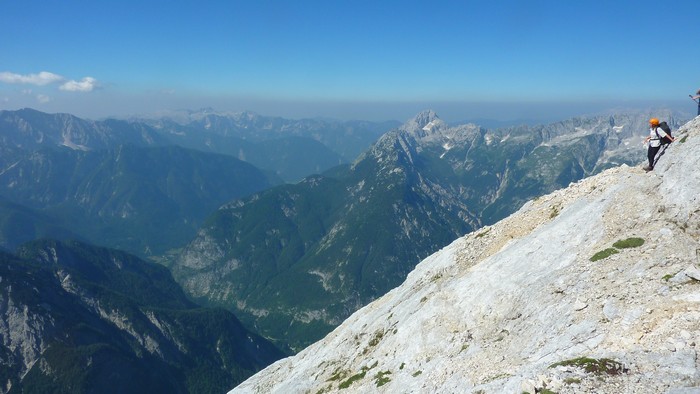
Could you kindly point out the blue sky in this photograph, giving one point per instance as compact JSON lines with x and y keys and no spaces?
{"x":349,"y":59}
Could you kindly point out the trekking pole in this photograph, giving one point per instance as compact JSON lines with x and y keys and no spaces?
{"x":693,"y":98}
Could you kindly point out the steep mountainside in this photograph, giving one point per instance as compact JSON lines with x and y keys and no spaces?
{"x":20,"y":224}
{"x":142,"y":199}
{"x":296,"y":260}
{"x":592,"y":288}
{"x":80,"y":319}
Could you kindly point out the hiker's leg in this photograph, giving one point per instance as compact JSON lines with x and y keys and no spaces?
{"x":651,"y":153}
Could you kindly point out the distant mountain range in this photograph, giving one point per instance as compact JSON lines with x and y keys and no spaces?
{"x":291,"y":149}
{"x":146,"y":186}
{"x":295,"y":260}
{"x":77,"y":318}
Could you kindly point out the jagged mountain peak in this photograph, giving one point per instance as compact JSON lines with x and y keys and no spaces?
{"x":425,"y":124}
{"x":592,"y":288}
{"x":427,"y":127}
{"x":425,"y":117}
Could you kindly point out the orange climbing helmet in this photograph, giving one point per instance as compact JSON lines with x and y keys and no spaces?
{"x":654,"y":122}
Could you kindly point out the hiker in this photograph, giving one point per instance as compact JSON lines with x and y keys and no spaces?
{"x":697,"y":99}
{"x":656,"y":135}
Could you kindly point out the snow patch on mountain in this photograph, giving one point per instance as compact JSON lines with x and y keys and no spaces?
{"x":547,"y":298}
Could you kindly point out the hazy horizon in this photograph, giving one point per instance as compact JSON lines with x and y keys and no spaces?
{"x":508,"y":113}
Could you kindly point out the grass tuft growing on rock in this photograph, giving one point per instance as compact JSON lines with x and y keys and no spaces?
{"x":554,"y":212}
{"x":603,"y":254}
{"x":353,"y":379}
{"x":620,"y":244}
{"x":629,"y":243}
{"x":594,"y":366}
{"x":381,"y":378}
{"x":483,"y":233}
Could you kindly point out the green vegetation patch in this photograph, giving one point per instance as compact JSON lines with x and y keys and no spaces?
{"x":323,"y":390}
{"x":629,"y":243}
{"x":668,"y":277}
{"x":620,"y":244}
{"x":483,"y":233}
{"x":353,"y":379}
{"x":554,"y":212}
{"x":595,"y":366}
{"x":381,"y":378}
{"x":378,"y":335}
{"x":603,"y":254}
{"x":374,"y":341}
{"x":338,"y":375}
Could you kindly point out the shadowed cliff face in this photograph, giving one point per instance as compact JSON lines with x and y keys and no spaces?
{"x":592,"y":288}
{"x":83,"y":319}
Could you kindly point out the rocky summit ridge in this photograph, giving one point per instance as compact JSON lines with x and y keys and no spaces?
{"x":592,"y":288}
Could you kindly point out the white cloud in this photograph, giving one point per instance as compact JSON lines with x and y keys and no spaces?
{"x":87,"y":84}
{"x":40,"y":79}
{"x":42,"y":98}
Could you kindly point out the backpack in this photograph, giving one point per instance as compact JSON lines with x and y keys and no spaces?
{"x":664,"y":126}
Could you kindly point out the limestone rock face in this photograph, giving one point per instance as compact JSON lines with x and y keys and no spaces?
{"x":592,"y":288}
